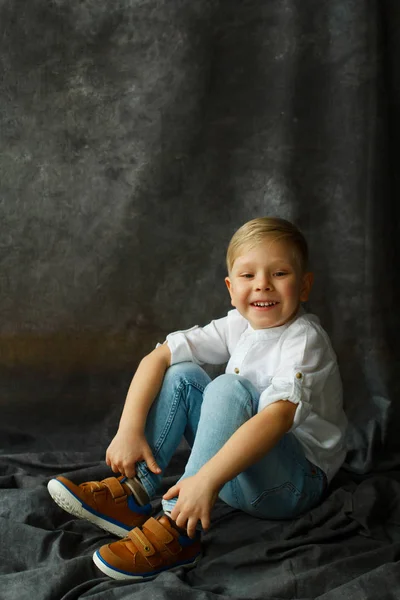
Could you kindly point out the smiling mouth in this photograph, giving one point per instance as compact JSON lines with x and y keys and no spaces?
{"x":263,"y":304}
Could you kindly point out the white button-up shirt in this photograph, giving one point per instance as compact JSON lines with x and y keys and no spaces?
{"x":292,"y":362}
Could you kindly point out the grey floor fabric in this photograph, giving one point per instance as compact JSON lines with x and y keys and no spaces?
{"x":135,"y":137}
{"x":348,"y":547}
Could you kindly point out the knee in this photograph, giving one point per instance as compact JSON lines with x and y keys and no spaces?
{"x":227,"y":386}
{"x":224,"y":381}
{"x":230,"y":394}
{"x":185,"y":371}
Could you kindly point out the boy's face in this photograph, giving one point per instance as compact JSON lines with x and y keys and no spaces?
{"x":266,"y":284}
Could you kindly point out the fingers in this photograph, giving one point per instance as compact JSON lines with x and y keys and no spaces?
{"x":124,"y":469}
{"x":112,"y":465}
{"x":121,"y":461}
{"x":189,"y":523}
{"x":179,"y":518}
{"x":175,"y":514}
{"x":151,"y":462}
{"x":191,"y":527}
{"x":128,"y":471}
{"x":171,"y":493}
{"x":205,"y":522}
{"x":187,"y":519}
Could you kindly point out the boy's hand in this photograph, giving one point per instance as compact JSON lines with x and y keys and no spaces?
{"x":126,"y":449}
{"x":196,"y":498}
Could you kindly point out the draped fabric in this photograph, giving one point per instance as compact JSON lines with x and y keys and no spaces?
{"x":135,"y":137}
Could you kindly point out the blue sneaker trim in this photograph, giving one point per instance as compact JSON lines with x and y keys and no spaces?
{"x":132,"y":504}
{"x":134,"y":507}
{"x":185,"y":541}
{"x":150,"y":573}
{"x":148,"y":508}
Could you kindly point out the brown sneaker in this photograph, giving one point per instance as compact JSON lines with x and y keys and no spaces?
{"x":110,"y":503}
{"x":156,"y":546}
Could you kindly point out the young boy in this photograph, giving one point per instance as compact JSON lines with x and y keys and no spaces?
{"x":266,"y":437}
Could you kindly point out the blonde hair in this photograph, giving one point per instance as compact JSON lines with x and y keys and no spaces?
{"x":257,"y":230}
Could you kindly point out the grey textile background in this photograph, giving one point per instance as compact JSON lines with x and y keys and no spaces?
{"x":135,"y":137}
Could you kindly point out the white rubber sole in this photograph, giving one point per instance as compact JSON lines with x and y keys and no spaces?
{"x":120,"y":575}
{"x":72,"y":505}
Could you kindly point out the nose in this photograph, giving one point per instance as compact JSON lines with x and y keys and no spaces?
{"x":263,"y":282}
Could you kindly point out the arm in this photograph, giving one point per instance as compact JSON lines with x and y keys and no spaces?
{"x":195,"y":344}
{"x":129,"y":444}
{"x":245,"y":447}
{"x":144,"y":387}
{"x":249,"y":443}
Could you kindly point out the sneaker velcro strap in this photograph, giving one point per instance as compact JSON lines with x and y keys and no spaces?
{"x":142,"y":542}
{"x":116,"y":489}
{"x":163,"y":536}
{"x":145,"y":547}
{"x":94,"y":486}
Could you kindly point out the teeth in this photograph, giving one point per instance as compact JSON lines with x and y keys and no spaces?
{"x":262,"y":304}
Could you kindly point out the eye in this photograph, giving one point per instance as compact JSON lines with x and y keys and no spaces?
{"x":280,"y":274}
{"x":247,"y":275}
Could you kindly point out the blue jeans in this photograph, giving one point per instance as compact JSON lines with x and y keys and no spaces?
{"x":282,"y":485}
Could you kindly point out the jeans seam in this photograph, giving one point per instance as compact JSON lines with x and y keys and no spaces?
{"x":249,"y":403}
{"x":234,"y":490}
{"x":145,"y":479}
{"x":171,"y":415}
{"x":160,"y":441}
{"x":172,"y":412}
{"x":286,"y":485}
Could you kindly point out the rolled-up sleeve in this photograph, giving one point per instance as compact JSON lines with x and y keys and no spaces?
{"x":303,"y":366}
{"x":200,"y":344}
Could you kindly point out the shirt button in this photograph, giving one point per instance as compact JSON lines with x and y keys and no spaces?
{"x":299,"y":375}
{"x":236,"y":371}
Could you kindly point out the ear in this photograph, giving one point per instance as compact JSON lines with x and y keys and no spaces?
{"x":308,"y":280}
{"x":229,"y":286}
